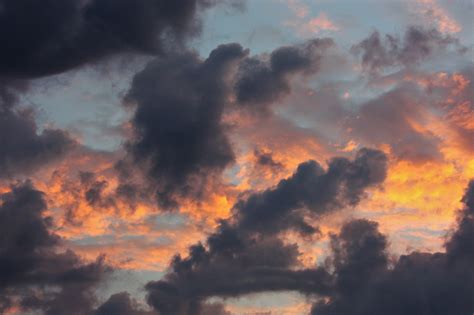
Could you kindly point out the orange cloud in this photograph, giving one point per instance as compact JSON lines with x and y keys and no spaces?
{"x":433,"y":13}
{"x":304,"y":24}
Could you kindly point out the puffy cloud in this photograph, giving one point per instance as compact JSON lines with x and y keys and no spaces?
{"x":22,"y":149}
{"x":245,"y":254}
{"x":261,"y":82}
{"x":34,"y":273}
{"x":179,"y":137}
{"x":314,"y":189}
{"x":54,"y":36}
{"x":418,"y":283}
{"x":42,"y":38}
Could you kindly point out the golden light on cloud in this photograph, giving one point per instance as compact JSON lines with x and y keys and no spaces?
{"x":434,"y":13}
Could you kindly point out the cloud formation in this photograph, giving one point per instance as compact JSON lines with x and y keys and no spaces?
{"x":418,"y":283}
{"x":43,"y":38}
{"x":179,"y":137}
{"x":245,"y":254}
{"x":418,"y":43}
{"x":360,"y":275}
{"x":35,"y":274}
{"x":54,"y":36}
{"x":190,"y":142}
{"x":262,"y":81}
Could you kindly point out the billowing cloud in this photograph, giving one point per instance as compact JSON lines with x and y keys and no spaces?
{"x":179,"y":134}
{"x":218,"y":138}
{"x":311,"y":188}
{"x":22,"y":149}
{"x":52,"y":37}
{"x":28,"y":150}
{"x":245,"y":255}
{"x":179,"y":137}
{"x":42,"y":38}
{"x":35,"y":274}
{"x":418,"y":283}
{"x":358,"y":276}
{"x":262,"y":81}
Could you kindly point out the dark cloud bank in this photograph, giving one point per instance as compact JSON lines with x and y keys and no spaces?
{"x":245,"y":255}
{"x":360,"y":276}
{"x":34,"y":273}
{"x":46,"y":37}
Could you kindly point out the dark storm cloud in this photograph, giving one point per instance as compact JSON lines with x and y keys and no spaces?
{"x":311,"y":190}
{"x":418,"y":283}
{"x":33,"y":273}
{"x":261,"y":81}
{"x":359,"y":276}
{"x":358,"y":257}
{"x":418,"y":43}
{"x":46,"y":37}
{"x":254,"y":266}
{"x":41,"y":38}
{"x":245,"y":254}
{"x":22,"y":149}
{"x":179,"y":137}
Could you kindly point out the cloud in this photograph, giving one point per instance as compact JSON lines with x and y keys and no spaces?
{"x":306,"y":25}
{"x":43,"y":38}
{"x":261,"y":82}
{"x":417,"y":44}
{"x":121,"y":304}
{"x":313,"y":189}
{"x":394,"y":118}
{"x":360,"y":275}
{"x":179,"y":137}
{"x":54,"y":36}
{"x":418,"y":283}
{"x":434,"y":14}
{"x":22,"y":149}
{"x":50,"y":37}
{"x":245,"y":254}
{"x":265,"y":159}
{"x":34,"y":274}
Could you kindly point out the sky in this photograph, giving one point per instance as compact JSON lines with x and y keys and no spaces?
{"x":230,"y":157}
